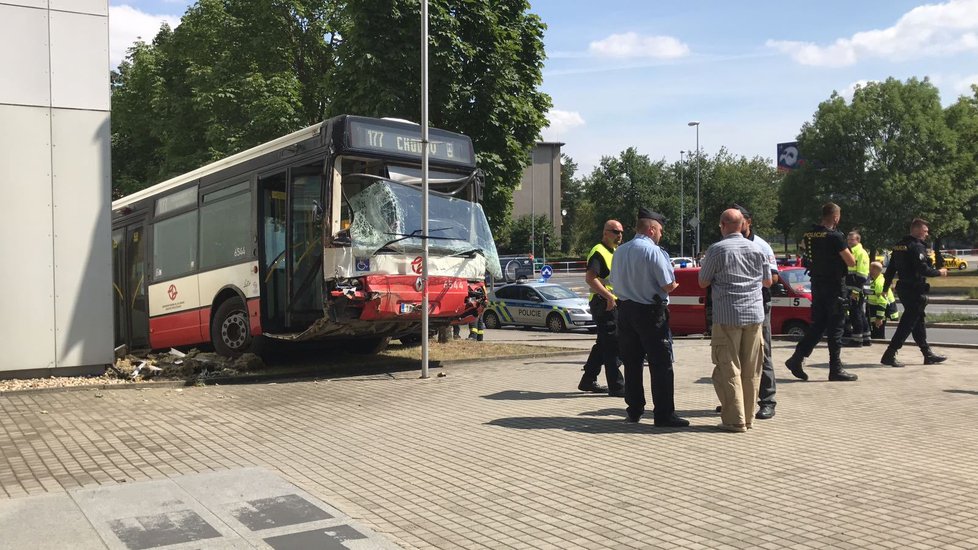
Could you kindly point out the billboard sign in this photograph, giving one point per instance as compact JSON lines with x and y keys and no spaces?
{"x":788,"y":156}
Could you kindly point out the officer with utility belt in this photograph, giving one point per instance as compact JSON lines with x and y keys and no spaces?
{"x":911,"y":264}
{"x":880,"y":306}
{"x":602,"y":304}
{"x":643,"y":277}
{"x":855,"y":281}
{"x":827,"y":258}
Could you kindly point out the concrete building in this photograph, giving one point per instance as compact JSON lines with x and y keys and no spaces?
{"x":539,"y":190}
{"x":56,"y":307}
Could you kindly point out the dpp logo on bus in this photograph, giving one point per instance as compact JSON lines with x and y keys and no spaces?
{"x":789,"y":157}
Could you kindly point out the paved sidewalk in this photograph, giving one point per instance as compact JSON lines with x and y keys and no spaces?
{"x":510,"y":455}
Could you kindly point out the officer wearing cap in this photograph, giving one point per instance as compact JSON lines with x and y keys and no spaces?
{"x":643,"y":277}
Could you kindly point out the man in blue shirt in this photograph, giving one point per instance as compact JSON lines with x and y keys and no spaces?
{"x":642,"y":276}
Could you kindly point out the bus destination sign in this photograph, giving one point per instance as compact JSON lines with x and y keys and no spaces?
{"x":442,"y":146}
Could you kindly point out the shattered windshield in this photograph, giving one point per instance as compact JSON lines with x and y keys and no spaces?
{"x":387,"y":216}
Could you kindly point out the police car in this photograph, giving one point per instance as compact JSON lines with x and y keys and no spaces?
{"x":535,"y":304}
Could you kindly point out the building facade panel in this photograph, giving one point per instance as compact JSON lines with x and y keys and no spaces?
{"x":82,"y":240}
{"x":539,"y":192}
{"x":92,"y":7}
{"x":24,"y":67}
{"x":79,"y":61}
{"x":27,"y":305}
{"x":54,"y":175}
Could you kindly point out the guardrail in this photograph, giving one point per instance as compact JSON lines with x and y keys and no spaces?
{"x":577,"y":266}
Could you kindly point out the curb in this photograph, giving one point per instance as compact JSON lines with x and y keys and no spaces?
{"x":298,"y":374}
{"x":951,"y":301}
{"x":99,"y":387}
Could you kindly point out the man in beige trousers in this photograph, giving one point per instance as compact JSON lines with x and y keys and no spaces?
{"x":737,"y":271}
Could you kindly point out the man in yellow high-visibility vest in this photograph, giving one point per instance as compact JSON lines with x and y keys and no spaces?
{"x":855,"y":281}
{"x":881,"y":305}
{"x":602,"y":303}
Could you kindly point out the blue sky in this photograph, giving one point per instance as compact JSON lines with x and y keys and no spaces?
{"x":633,"y":73}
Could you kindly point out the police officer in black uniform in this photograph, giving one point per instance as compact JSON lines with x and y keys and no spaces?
{"x":604,"y":312}
{"x":828,"y":259}
{"x":911,"y":264}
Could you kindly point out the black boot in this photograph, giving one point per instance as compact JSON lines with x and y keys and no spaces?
{"x":889,"y":358}
{"x":794,"y":364}
{"x":931,"y":358}
{"x":838,"y":374}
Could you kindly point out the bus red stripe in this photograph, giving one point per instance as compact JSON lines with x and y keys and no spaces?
{"x":194,"y":326}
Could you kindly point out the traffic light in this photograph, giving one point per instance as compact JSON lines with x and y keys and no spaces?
{"x":546,"y":240}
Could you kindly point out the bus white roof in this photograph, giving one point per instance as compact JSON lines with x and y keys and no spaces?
{"x":284,"y":141}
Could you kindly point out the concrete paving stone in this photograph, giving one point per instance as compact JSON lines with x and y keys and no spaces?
{"x":46,"y":522}
{"x":339,"y":440}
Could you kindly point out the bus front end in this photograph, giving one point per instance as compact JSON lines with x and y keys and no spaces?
{"x":373,"y":266}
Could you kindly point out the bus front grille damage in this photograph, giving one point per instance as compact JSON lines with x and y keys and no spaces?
{"x":390,"y":305}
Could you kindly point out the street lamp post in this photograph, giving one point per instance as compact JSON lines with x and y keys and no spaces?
{"x":698,"y":220}
{"x":682,"y":206}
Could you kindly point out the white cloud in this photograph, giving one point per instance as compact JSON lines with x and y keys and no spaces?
{"x":850,"y":90}
{"x":560,"y":122}
{"x":127,"y":24}
{"x":963,"y":86}
{"x":925,"y":31}
{"x":630,"y":45}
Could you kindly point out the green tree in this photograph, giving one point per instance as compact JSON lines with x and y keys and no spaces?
{"x":962,"y":119}
{"x":237,"y":73}
{"x":884,"y":159}
{"x":234,"y":74}
{"x":576,"y":230}
{"x":726,"y":179}
{"x":619,"y":185}
{"x":523,"y":232}
{"x":486,"y":62}
{"x":138,"y":98}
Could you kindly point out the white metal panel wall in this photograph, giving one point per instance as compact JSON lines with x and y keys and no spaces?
{"x":82,"y":239}
{"x":24,"y":57}
{"x":94,"y":7}
{"x":79,"y":61}
{"x":56,"y":310}
{"x":27,"y":304}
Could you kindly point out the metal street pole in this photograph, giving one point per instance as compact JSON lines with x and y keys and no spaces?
{"x":682,"y":206}
{"x":424,"y":188}
{"x":533,"y":220}
{"x":698,"y":220}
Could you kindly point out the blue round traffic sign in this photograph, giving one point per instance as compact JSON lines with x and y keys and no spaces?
{"x":546,"y":271}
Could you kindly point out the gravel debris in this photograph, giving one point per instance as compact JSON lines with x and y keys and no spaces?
{"x":192,"y":366}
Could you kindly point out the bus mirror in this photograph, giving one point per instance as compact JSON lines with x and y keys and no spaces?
{"x":317,"y":210}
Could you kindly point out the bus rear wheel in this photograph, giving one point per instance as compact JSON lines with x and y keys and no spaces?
{"x":230,"y":329}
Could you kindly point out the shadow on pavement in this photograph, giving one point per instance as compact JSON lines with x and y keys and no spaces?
{"x":966,"y":392}
{"x":590,"y":425}
{"x":519,"y":395}
{"x":620,"y":413}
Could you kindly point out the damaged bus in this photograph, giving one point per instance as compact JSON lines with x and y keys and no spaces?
{"x":315,"y":235}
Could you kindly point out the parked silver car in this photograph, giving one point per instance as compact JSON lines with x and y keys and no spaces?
{"x":536,"y":304}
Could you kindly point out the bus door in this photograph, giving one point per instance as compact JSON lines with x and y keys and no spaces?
{"x":131,"y":307}
{"x":291,"y":246}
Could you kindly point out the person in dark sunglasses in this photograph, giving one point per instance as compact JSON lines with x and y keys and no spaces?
{"x":602,"y":304}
